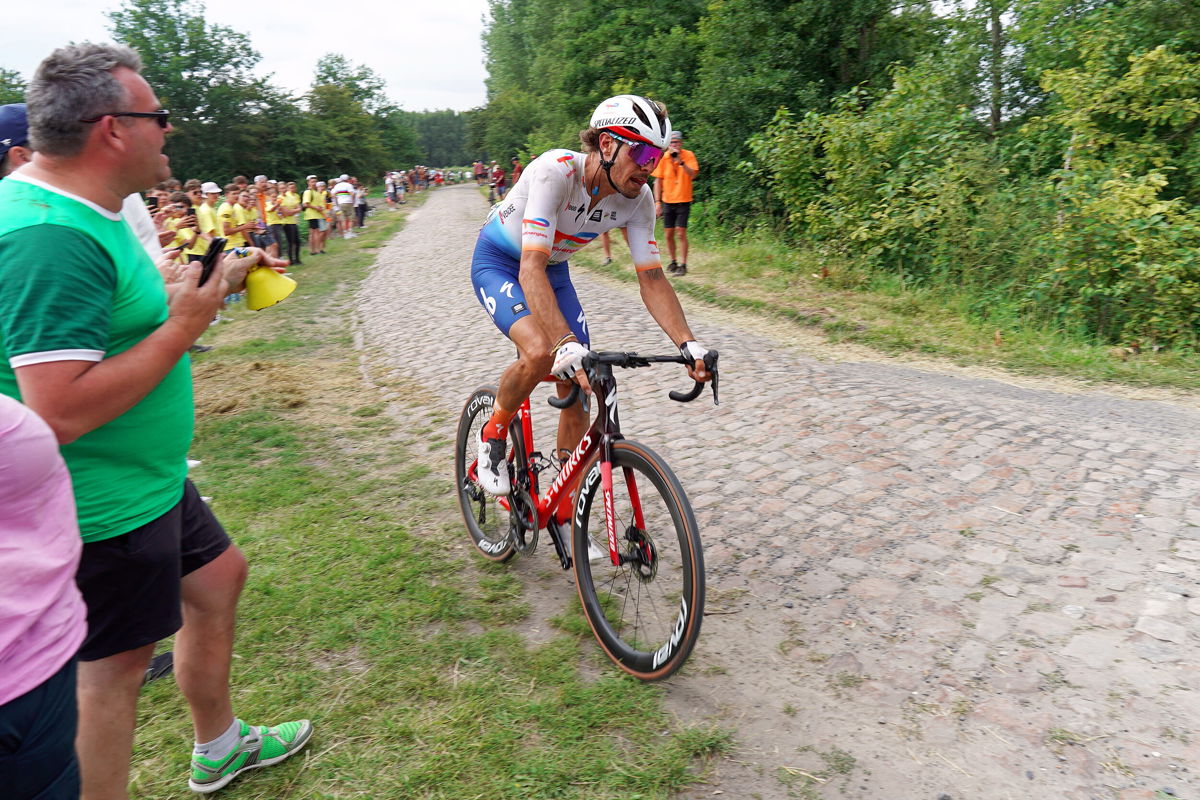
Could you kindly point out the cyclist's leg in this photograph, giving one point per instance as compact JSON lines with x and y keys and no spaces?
{"x":573,"y":421}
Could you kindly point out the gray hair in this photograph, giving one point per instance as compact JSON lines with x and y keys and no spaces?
{"x":73,"y":83}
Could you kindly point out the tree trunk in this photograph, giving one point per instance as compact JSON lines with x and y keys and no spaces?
{"x":996,"y":65}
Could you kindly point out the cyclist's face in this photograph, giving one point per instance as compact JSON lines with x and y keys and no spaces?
{"x":628,"y":176}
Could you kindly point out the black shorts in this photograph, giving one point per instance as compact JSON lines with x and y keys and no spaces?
{"x":675,"y":215}
{"x":37,"y":741}
{"x":131,"y":582}
{"x":314,"y":224}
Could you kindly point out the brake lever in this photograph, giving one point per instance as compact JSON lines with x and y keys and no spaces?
{"x":711,"y":366}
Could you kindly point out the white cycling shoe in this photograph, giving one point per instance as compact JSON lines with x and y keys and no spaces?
{"x":491,"y":468}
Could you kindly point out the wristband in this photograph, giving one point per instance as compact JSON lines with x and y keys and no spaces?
{"x":570,"y":337}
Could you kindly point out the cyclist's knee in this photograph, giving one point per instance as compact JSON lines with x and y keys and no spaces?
{"x":539,"y":363}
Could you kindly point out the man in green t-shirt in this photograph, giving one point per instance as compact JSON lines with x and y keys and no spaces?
{"x":94,"y":343}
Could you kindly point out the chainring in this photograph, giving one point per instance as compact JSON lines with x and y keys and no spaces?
{"x":522,"y":521}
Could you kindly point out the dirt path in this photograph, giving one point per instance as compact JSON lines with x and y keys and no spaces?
{"x":922,"y":584}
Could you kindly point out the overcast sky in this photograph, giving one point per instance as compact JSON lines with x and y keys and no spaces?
{"x":428,"y":52}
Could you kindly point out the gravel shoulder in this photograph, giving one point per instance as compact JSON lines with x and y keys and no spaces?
{"x":923,"y":581}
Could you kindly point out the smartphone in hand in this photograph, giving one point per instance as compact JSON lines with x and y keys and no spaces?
{"x":209,"y":261}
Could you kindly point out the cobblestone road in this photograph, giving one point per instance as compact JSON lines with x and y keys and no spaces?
{"x":920,"y":585}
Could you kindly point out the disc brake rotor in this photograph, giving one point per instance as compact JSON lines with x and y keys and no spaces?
{"x":642,"y":555}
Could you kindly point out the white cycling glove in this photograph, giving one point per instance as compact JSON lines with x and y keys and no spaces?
{"x":568,"y":360}
{"x":693,"y":350}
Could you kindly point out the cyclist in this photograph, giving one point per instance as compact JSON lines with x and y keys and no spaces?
{"x":519,"y":270}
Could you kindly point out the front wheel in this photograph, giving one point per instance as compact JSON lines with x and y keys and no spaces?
{"x":646,"y":611}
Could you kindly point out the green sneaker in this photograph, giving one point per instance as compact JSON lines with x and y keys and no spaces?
{"x":260,"y":747}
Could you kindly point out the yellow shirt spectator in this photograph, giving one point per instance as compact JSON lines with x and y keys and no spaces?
{"x":273,"y":215}
{"x":314,"y":198}
{"x":183,"y":236}
{"x":230,"y":219}
{"x":209,"y":224}
{"x":290,"y":200}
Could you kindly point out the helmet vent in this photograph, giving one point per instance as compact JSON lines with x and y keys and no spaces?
{"x":637,"y":109}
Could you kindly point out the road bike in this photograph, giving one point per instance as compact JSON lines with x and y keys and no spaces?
{"x":643,"y":594}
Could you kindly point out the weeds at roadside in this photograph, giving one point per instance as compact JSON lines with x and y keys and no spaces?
{"x":893,"y":317}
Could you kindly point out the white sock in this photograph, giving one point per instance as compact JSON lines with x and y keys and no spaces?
{"x":221,"y":746}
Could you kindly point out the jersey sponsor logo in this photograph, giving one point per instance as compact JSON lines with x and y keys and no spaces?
{"x":518,"y":308}
{"x":538,"y":221}
{"x":596,"y":216}
{"x":579,"y":238}
{"x":507,"y":212}
{"x":570,"y":172}
{"x":507,"y":288}
{"x":564,"y":159}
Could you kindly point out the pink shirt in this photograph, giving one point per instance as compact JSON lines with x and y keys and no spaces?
{"x":42,"y":615}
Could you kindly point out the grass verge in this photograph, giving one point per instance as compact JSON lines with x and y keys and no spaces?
{"x":361,"y":614}
{"x":765,"y":277}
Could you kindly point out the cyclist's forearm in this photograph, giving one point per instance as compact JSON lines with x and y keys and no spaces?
{"x":663,"y":304}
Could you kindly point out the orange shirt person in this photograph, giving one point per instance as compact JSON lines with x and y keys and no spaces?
{"x":673,"y":198}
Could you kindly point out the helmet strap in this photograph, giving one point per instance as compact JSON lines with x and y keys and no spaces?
{"x":607,"y":165}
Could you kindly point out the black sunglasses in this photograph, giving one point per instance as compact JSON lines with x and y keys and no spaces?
{"x":159,"y":116}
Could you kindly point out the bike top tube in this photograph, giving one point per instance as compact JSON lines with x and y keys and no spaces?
{"x":606,"y":426}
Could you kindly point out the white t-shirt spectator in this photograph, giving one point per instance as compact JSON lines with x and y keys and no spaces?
{"x":137,"y":217}
{"x":343,"y":193}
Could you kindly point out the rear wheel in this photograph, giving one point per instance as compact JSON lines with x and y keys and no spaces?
{"x":488,"y":522}
{"x":646,"y":611}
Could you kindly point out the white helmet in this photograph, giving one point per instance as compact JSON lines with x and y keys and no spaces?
{"x":634,"y":119}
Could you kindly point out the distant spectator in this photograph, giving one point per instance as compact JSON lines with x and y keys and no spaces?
{"x":42,"y":615}
{"x":516,"y":171}
{"x":498,"y":184}
{"x":313,"y":201}
{"x":401,"y":180}
{"x":673,"y":198}
{"x":389,"y":190}
{"x":290,"y":209}
{"x":343,"y":199}
{"x":360,"y":203}
{"x":180,"y":221}
{"x":271,"y":205}
{"x":233,"y":217}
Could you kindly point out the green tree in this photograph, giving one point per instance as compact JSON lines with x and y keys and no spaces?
{"x":202,"y":73}
{"x":363,"y":83}
{"x":12,"y":87}
{"x":343,"y":122}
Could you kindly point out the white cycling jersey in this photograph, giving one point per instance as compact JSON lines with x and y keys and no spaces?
{"x":548,"y":211}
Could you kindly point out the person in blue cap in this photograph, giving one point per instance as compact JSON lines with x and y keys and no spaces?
{"x":14,"y":138}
